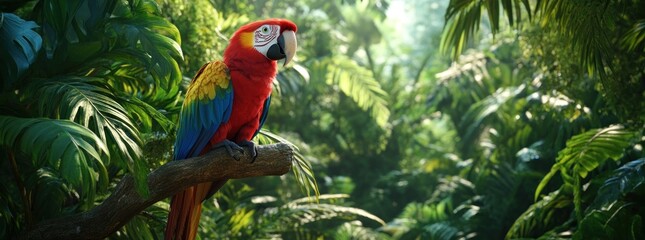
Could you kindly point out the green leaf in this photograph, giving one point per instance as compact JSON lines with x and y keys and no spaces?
{"x":586,"y":151}
{"x":635,"y":36}
{"x":358,"y":83}
{"x":146,"y":113}
{"x":71,"y":31}
{"x":618,"y":221}
{"x":301,"y":211}
{"x":62,"y":145}
{"x":626,"y":179}
{"x":481,"y":110}
{"x":88,"y":102}
{"x":19,"y":47}
{"x":157,"y":42}
{"x":51,"y":194}
{"x":138,"y":228}
{"x":302,"y":170}
{"x":541,"y":216}
{"x":355,"y":230}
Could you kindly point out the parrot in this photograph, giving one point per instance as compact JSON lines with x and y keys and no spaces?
{"x":225,"y":106}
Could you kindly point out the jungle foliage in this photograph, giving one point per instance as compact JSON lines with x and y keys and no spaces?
{"x":531,"y":128}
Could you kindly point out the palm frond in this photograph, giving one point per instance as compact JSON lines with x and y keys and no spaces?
{"x":146,"y":114}
{"x":482,"y":110}
{"x":158,"y":43}
{"x":301,"y":214}
{"x":88,"y":102}
{"x":635,"y":36}
{"x":67,"y":147}
{"x":67,"y":27}
{"x":359,"y":84}
{"x":355,"y":230}
{"x":463,"y":19}
{"x":20,"y":47}
{"x":424,"y":221}
{"x":302,"y":170}
{"x":586,"y":24}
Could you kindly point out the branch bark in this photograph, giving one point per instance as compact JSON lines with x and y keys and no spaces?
{"x":125,"y":202}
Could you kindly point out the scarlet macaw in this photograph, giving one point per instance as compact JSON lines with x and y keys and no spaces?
{"x":225,"y":106}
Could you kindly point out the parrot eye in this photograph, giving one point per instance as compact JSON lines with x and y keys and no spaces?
{"x":264,"y":29}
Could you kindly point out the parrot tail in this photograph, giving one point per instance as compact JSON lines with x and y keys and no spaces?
{"x":186,"y":208}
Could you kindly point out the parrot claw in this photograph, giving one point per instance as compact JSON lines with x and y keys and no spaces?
{"x":231,"y":147}
{"x":254,"y":150}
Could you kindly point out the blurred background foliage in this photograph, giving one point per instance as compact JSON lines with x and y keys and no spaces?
{"x":531,"y":126}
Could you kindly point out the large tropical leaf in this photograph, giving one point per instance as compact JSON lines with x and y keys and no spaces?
{"x":155,"y":41}
{"x":584,"y":153}
{"x":90,"y":103}
{"x":19,"y":47}
{"x":617,"y":221}
{"x":359,"y":84}
{"x":588,"y":150}
{"x":127,"y":43}
{"x":70,"y":26}
{"x":541,"y":216}
{"x":626,"y":179}
{"x":52,"y":193}
{"x":67,"y":147}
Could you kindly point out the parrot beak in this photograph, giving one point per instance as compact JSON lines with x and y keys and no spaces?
{"x":284,"y":48}
{"x":288,"y":45}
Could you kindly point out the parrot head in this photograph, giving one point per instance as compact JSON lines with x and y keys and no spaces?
{"x":268,"y":40}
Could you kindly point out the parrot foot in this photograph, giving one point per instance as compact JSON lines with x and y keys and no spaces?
{"x":233,"y":149}
{"x":254,"y":150}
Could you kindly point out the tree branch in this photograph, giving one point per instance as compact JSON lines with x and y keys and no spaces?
{"x":125,"y":202}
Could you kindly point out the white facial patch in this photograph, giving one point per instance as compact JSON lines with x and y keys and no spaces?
{"x":264,"y":37}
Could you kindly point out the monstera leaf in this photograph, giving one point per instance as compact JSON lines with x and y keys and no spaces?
{"x":19,"y":47}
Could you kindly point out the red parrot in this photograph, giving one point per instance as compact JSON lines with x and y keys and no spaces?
{"x":226,"y":104}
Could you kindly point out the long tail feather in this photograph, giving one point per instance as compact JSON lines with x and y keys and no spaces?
{"x":186,"y":208}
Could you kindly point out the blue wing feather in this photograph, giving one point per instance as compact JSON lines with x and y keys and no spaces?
{"x":200,"y":116}
{"x":265,"y":113}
